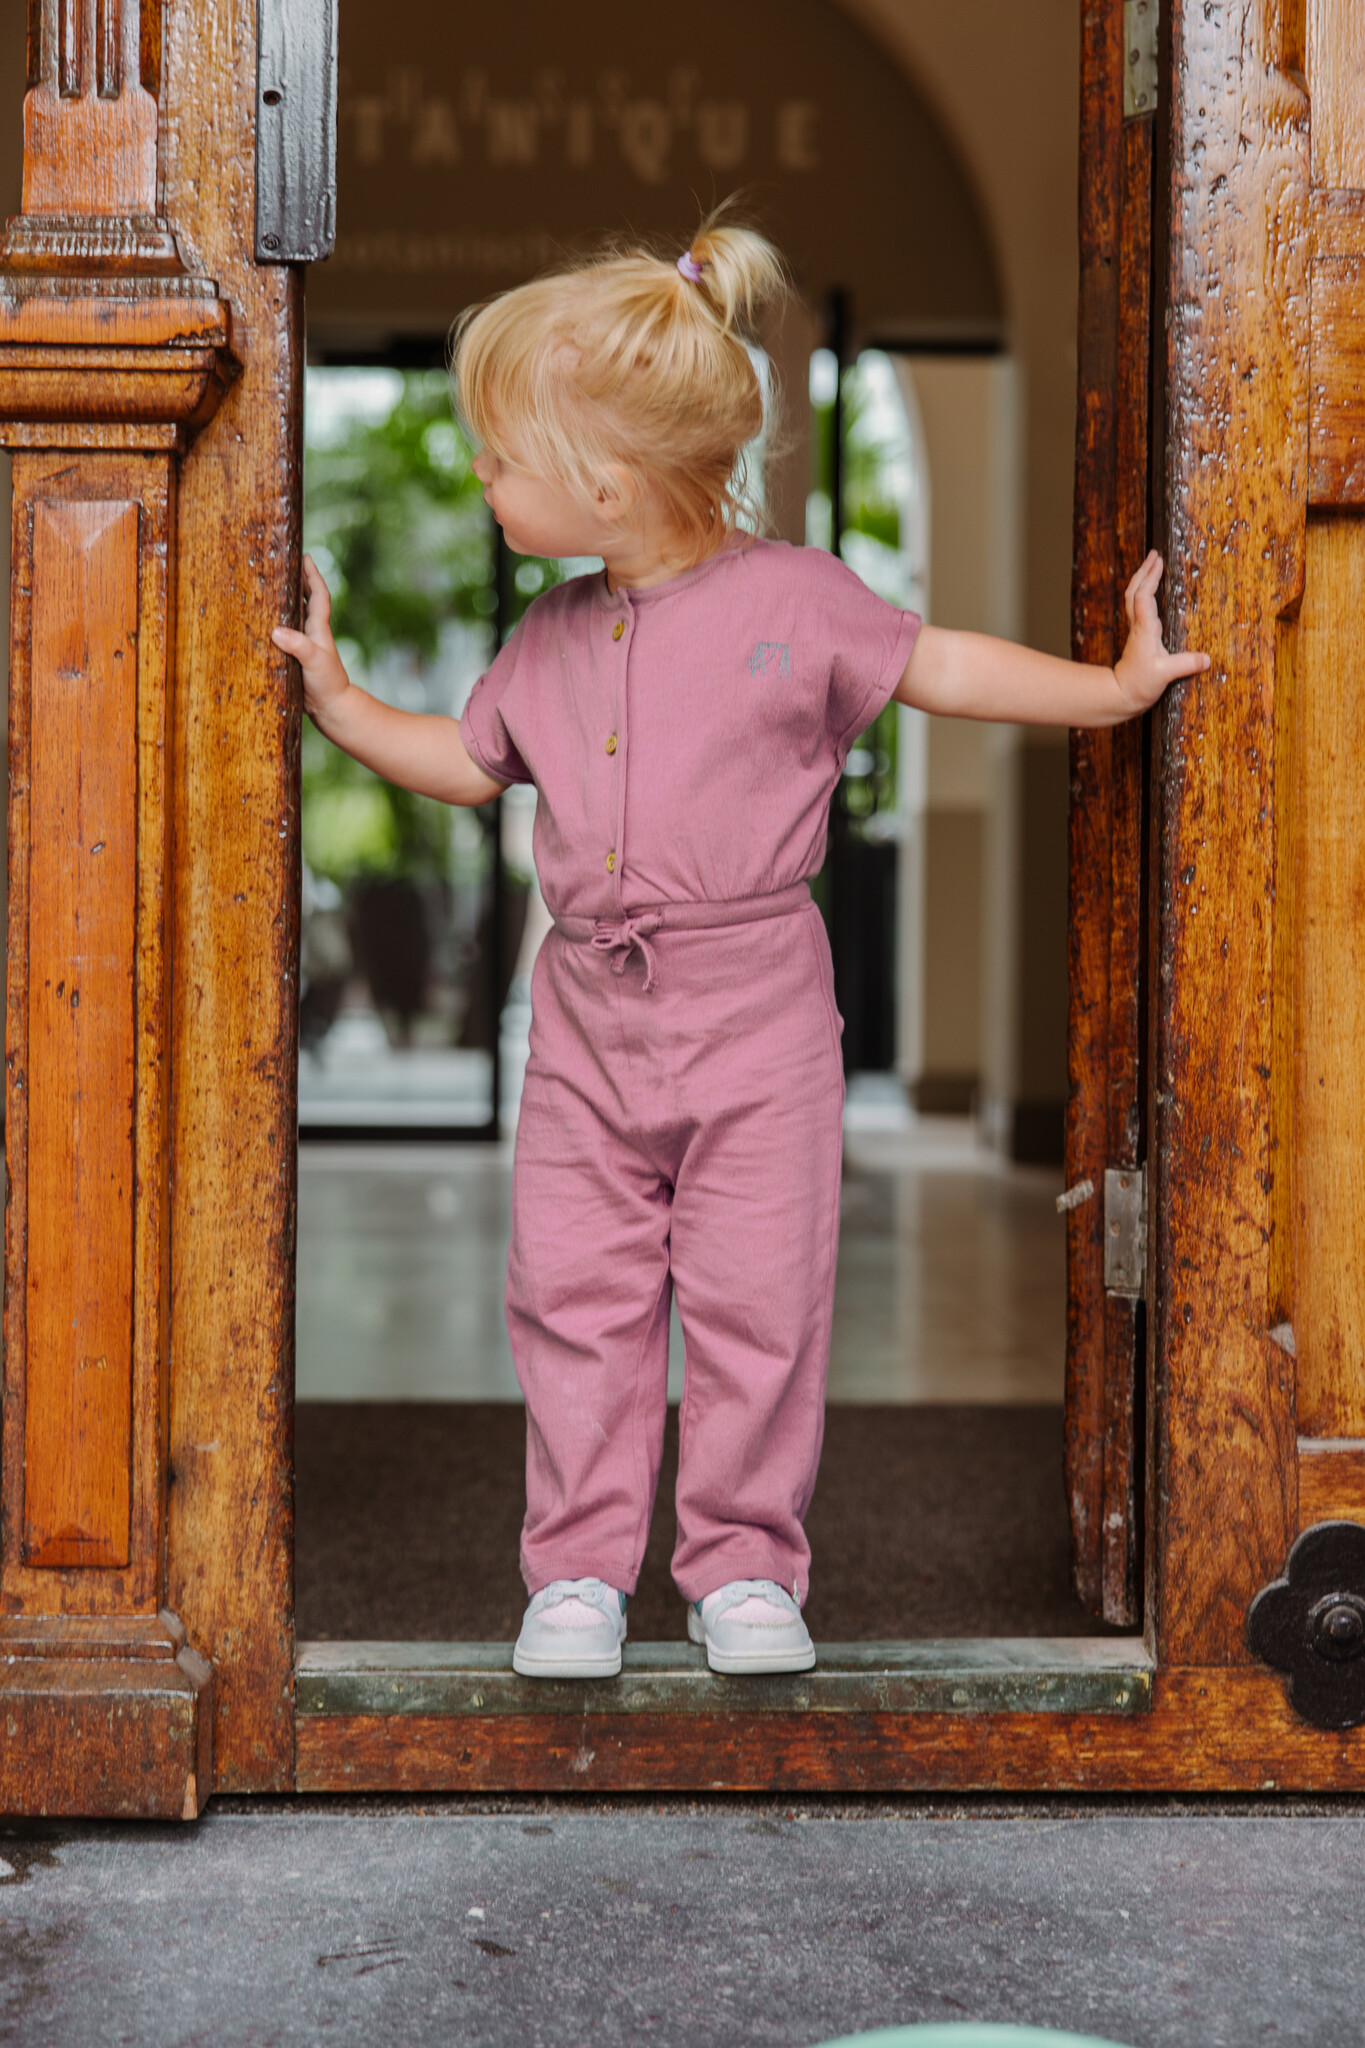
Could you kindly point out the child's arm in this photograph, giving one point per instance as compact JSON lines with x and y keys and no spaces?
{"x":419,"y":751}
{"x":968,"y":675}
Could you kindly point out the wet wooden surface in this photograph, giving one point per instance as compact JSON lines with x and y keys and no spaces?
{"x":230,"y":1503}
{"x":1105,"y":895}
{"x":1236,"y":407}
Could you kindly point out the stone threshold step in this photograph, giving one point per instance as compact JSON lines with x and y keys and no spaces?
{"x":995,"y":1675}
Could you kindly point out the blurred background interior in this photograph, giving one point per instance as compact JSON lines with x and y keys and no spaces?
{"x":918,"y":166}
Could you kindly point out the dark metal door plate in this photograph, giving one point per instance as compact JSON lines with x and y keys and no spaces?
{"x":1311,"y":1624}
{"x":296,"y":130}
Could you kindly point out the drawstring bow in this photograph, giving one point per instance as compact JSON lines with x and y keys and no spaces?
{"x":627,"y":935}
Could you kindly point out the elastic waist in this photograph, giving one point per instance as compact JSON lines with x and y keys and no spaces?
{"x":690,"y":917}
{"x":618,"y":936}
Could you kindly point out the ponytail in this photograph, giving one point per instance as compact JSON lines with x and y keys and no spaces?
{"x":740,"y":274}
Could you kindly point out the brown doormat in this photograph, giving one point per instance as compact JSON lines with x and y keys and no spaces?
{"x":926,"y":1522}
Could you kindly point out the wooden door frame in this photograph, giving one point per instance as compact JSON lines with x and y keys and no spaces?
{"x":146,"y":360}
{"x":1106,"y":912}
{"x":114,"y":299}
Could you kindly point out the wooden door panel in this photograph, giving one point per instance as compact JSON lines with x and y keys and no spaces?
{"x":82,"y":902}
{"x":1321,"y":869}
{"x":1320,"y":1083}
{"x":1336,"y":424}
{"x":1326,"y":910}
{"x":1334,"y":60}
{"x":1224,"y":1485}
{"x":86,"y":1119}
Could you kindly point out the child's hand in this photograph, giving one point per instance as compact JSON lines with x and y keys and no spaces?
{"x":1144,"y":668}
{"x":314,"y":649}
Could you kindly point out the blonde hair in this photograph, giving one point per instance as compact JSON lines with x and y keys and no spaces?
{"x":624,"y":359}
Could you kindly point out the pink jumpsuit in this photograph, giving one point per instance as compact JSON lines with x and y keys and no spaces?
{"x":681,"y":1120}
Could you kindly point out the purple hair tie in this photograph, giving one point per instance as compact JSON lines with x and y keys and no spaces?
{"x":690,"y":267}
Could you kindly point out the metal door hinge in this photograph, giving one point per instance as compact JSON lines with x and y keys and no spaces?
{"x":296,"y":130}
{"x":1140,"y":18}
{"x":1125,"y":1229}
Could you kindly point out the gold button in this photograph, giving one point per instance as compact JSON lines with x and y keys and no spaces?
{"x":611,"y":743}
{"x":618,"y":629}
{"x":611,"y":863}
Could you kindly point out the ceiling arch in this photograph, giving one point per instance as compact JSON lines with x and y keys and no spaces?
{"x":478,"y":145}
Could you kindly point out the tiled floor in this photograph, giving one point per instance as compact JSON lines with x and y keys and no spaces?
{"x":951,"y":1276}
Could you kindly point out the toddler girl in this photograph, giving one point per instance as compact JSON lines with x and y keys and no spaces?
{"x":685,"y":716}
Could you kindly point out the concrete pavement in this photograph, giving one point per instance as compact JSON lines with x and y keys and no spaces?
{"x":284,"y":1924}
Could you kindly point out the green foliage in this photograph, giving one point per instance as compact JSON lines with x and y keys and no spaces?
{"x":354,"y":824}
{"x":527,"y":576}
{"x":871,"y":508}
{"x":396,"y":519}
{"x":400,"y":515}
{"x":868,"y":505}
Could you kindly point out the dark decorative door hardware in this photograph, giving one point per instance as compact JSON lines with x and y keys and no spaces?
{"x":296,"y":130}
{"x":1311,"y":1624}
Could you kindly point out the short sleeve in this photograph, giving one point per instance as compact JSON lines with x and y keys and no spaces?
{"x":870,"y":642}
{"x":489,"y":716}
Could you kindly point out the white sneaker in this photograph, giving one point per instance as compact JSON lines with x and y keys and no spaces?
{"x":573,"y":1628}
{"x":751,"y":1625}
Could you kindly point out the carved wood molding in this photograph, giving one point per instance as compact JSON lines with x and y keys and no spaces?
{"x":113,"y":398}
{"x":89,"y":118}
{"x":91,"y":267}
{"x":68,"y":1685}
{"x":63,"y":291}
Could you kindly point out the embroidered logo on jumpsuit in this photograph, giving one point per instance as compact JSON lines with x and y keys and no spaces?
{"x":766,"y":653}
